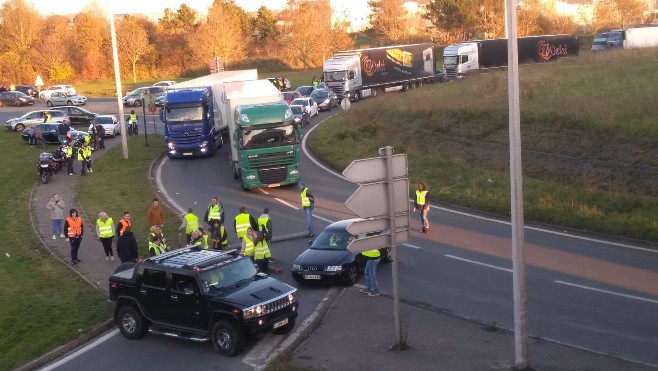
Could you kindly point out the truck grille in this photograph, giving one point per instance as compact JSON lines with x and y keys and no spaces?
{"x":451,"y":73}
{"x":271,"y":159}
{"x":272,"y":175}
{"x":188,"y":136}
{"x":338,"y":89}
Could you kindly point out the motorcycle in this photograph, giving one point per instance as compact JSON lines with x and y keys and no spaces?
{"x":45,"y":166}
{"x":132,"y":128}
{"x":59,"y":160}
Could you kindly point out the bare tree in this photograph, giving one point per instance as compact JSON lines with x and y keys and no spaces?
{"x":132,"y":42}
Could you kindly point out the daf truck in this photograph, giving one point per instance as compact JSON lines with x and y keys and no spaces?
{"x":471,"y":57}
{"x":361,"y":73}
{"x":264,"y":138}
{"x":193,"y":114}
{"x":643,"y":37}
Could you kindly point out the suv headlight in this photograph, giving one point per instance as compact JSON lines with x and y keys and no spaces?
{"x":333,"y":268}
{"x":254,"y":311}
{"x":292,"y":297}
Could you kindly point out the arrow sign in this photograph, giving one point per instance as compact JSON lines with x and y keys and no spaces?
{"x":370,"y":201}
{"x":370,"y":170}
{"x":376,"y":242}
{"x":375,"y":225}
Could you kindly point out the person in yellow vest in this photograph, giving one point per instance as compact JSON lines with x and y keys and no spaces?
{"x":372,"y":285}
{"x":422,"y":204}
{"x":84,"y":156}
{"x":74,"y":231}
{"x":155,"y":247}
{"x":123,"y":223}
{"x":262,"y":253}
{"x":198,"y":240}
{"x":205,"y":234}
{"x":190,"y":224}
{"x":308,"y":203}
{"x":105,"y":231}
{"x":214,"y":211}
{"x":156,"y":230}
{"x":218,"y":239}
{"x":47,"y":116}
{"x":248,"y":243}
{"x":68,"y":155}
{"x":243,"y":221}
{"x":265,"y":224}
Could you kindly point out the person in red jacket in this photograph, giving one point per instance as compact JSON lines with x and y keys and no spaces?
{"x":74,"y":231}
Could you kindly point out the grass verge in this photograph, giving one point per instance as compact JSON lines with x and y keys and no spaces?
{"x":43,"y":304}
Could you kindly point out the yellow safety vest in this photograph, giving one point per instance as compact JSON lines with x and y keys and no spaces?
{"x":371,"y":253}
{"x":162,"y":237}
{"x":105,"y":228}
{"x":262,"y":250}
{"x":214,"y":212}
{"x":306,"y":202}
{"x":222,"y":232}
{"x":69,"y":151}
{"x":262,"y":223}
{"x":49,"y":116}
{"x":157,"y":249}
{"x":248,"y":246}
{"x":205,"y":240}
{"x":241,"y":224}
{"x":191,"y":223}
{"x":133,"y":117}
{"x":420,"y":197}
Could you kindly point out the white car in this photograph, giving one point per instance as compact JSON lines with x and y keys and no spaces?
{"x":60,"y":98}
{"x":110,"y":124}
{"x":164,"y":84}
{"x":308,"y":103}
{"x":44,"y":94}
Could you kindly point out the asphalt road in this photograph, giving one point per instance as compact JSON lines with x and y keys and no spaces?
{"x":586,"y":292}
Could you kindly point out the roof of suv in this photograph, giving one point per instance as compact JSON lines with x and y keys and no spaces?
{"x":194,"y":258}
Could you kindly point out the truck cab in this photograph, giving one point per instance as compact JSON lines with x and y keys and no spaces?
{"x":342,"y":74}
{"x":608,"y":40}
{"x":201,"y":295}
{"x":460,"y":60}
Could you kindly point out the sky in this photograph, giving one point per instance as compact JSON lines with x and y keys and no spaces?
{"x":48,"y":7}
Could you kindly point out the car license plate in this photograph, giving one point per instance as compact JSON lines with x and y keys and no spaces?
{"x":187,"y":153}
{"x":311,"y":277}
{"x":274,"y":185}
{"x":280,"y":323}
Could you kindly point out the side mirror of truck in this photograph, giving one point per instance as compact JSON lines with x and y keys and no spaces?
{"x":300,"y":132}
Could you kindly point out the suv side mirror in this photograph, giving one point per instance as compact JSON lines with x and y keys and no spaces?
{"x":188,"y":291}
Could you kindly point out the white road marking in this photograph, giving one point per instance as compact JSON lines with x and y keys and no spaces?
{"x":608,"y":292}
{"x":410,"y":245}
{"x":286,"y":203}
{"x":262,"y":190}
{"x":478,"y":263}
{"x":82,"y":351}
{"x":308,"y":155}
{"x":323,"y":219}
{"x":158,"y":180}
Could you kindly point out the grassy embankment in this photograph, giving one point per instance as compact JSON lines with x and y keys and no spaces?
{"x":589,"y":136}
{"x":43,"y":304}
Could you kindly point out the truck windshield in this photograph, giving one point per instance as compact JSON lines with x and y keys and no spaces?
{"x":449,"y":60}
{"x":335,"y":76}
{"x":229,"y":275}
{"x":268,"y":136}
{"x":184,"y":114}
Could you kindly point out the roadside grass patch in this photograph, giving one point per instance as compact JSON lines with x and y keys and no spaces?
{"x":43,"y":304}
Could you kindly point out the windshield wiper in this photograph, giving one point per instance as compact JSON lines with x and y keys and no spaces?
{"x":240,"y":282}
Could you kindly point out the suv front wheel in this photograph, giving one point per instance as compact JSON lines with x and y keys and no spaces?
{"x":227,"y":338}
{"x":132,"y":324}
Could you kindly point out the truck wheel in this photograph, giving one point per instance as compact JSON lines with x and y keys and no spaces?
{"x":285,"y":329}
{"x":132,"y":324}
{"x":227,"y":339}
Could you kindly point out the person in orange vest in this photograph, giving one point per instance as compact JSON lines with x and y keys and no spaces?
{"x":74,"y":230}
{"x":123,"y":223}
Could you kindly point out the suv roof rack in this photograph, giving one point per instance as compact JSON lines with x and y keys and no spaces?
{"x":191,"y":257}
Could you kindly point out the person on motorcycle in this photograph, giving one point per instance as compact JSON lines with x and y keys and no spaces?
{"x":133,"y":122}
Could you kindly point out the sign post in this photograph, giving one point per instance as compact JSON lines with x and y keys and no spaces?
{"x":381,"y":178}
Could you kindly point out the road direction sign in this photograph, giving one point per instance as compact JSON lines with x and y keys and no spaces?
{"x":370,"y":201}
{"x":345,"y":104}
{"x":370,"y":170}
{"x":376,"y":242}
{"x":374,"y":225}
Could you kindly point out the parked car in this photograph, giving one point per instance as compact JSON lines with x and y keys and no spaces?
{"x":286,"y":82}
{"x":43,"y":94}
{"x":300,"y":115}
{"x":34,"y":118}
{"x":305,"y":91}
{"x":77,"y":115}
{"x":289,"y":96}
{"x":110,"y":124}
{"x":49,"y":132}
{"x":15,"y":98}
{"x":326,"y":99}
{"x":30,"y":90}
{"x":329,"y":260}
{"x":60,"y":98}
{"x":165,"y":83}
{"x":135,"y":97}
{"x":160,"y":100}
{"x":310,"y":105}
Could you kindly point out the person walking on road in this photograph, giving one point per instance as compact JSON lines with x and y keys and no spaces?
{"x":105,"y":230}
{"x":308,"y":203}
{"x":422,"y":204}
{"x":214,"y":211}
{"x":123,"y":224}
{"x":372,"y":285}
{"x":56,"y":206}
{"x":68,"y":155}
{"x":243,"y":221}
{"x":190,"y":224}
{"x":262,"y":252}
{"x":155,"y":215}
{"x":218,"y":238}
{"x":265,"y":224}
{"x":127,"y":246}
{"x":155,"y":247}
{"x":74,"y":231}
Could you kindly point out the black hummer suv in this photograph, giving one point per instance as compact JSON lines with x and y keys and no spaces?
{"x":201,"y":295}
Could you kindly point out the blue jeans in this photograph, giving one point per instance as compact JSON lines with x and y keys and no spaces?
{"x":58,"y":226}
{"x":371,"y":275}
{"x":309,"y":218}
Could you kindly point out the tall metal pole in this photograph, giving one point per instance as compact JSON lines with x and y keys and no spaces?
{"x":516,"y":176}
{"x":117,"y":78}
{"x":388,"y":152}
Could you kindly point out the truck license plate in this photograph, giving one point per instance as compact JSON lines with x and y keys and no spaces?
{"x":274,"y":185}
{"x":311,"y":277}
{"x":280,"y":323}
